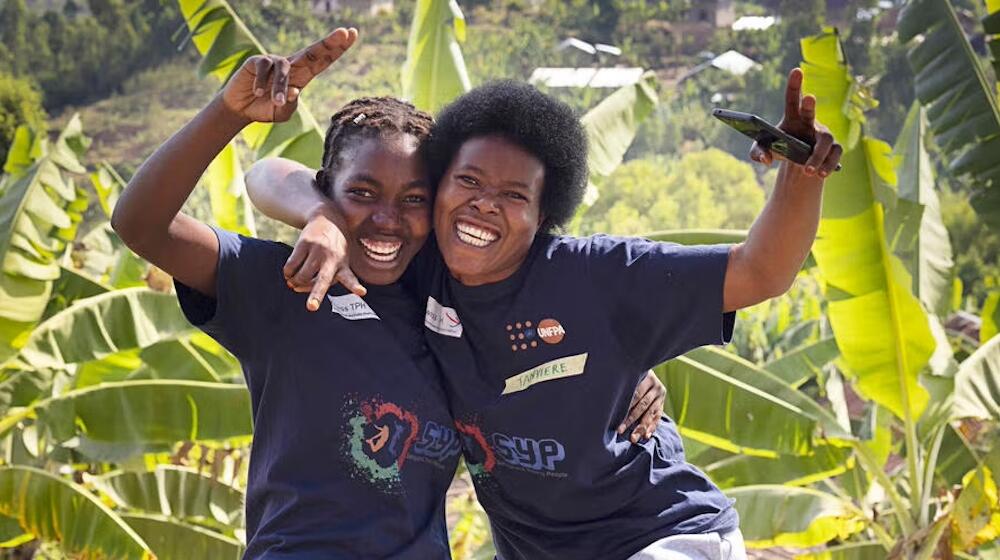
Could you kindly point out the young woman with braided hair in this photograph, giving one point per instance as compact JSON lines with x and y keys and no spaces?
{"x":354,"y":447}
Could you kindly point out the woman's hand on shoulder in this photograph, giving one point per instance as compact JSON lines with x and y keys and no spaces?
{"x":267,"y":87}
{"x":320,"y":259}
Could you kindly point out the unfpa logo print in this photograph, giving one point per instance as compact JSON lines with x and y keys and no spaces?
{"x":527,"y":334}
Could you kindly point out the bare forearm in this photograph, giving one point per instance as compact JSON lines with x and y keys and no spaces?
{"x":159,"y":188}
{"x":284,"y":190}
{"x":779,"y":241}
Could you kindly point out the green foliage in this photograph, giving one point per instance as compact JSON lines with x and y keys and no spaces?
{"x":79,"y":57}
{"x":709,"y":189}
{"x":20,"y":104}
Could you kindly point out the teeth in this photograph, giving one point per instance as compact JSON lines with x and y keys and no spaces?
{"x":475,"y":236}
{"x":381,"y":251}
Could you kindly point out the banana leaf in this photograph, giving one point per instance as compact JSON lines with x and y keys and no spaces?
{"x":170,"y":539}
{"x":991,"y":317}
{"x":977,"y":384}
{"x":760,"y":415}
{"x":55,"y":509}
{"x":850,"y":551}
{"x":802,"y":364}
{"x":773,"y":515}
{"x":39,"y":210}
{"x":147,"y":412}
{"x":991,"y":25}
{"x":824,"y":462}
{"x":960,"y":101}
{"x":434,"y":72}
{"x":611,"y":127}
{"x":176,"y":492}
{"x":881,"y":328}
{"x":108,"y":185}
{"x":95,"y":327}
{"x":231,"y":208}
{"x":919,"y":237}
{"x":70,"y":287}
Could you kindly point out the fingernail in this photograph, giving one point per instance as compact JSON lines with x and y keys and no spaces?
{"x":810,"y":170}
{"x":279,"y":99}
{"x":259,"y":92}
{"x":313,"y":304}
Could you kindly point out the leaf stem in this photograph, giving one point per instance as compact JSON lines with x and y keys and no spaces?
{"x":898,"y":503}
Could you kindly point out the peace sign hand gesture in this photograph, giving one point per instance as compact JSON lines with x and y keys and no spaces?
{"x":266,"y":88}
{"x":800,"y":121}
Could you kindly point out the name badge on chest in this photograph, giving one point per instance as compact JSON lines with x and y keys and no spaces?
{"x":352,"y":307}
{"x":442,"y":319}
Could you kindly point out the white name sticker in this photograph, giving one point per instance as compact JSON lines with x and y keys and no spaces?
{"x":442,"y":320}
{"x":549,"y":371}
{"x":351,"y":307}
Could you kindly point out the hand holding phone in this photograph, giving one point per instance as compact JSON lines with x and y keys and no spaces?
{"x":798,"y":137}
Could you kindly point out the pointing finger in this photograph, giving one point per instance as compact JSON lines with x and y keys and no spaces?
{"x":346,"y":277}
{"x":263,"y":68}
{"x":321,"y":285}
{"x":314,"y":59}
{"x":793,"y":95}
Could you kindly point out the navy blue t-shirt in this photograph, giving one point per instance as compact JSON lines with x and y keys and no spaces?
{"x":540,"y":369}
{"x":353,"y":447}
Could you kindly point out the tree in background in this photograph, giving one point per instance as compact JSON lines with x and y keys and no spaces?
{"x":706,"y":189}
{"x":20,"y":104}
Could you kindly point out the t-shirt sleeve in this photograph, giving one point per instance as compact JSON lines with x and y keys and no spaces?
{"x":249,"y":287}
{"x":663,"y":299}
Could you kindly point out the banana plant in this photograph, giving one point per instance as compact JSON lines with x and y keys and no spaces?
{"x":991,"y":25}
{"x":40,"y":206}
{"x":961,"y":103}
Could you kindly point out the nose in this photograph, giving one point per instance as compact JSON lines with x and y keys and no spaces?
{"x":485,"y":204}
{"x":387,"y":219}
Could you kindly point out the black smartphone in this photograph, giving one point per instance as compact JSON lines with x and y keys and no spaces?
{"x":766,"y":134}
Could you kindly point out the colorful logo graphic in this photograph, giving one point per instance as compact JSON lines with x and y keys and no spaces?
{"x":524,"y":335}
{"x":381,"y":438}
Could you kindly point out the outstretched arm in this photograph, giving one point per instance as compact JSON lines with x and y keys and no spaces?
{"x":285,"y":190}
{"x":147,"y":216}
{"x":765,"y":265}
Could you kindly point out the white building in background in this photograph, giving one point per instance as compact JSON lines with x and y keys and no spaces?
{"x":370,"y":7}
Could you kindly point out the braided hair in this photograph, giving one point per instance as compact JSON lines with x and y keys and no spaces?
{"x":368,"y":117}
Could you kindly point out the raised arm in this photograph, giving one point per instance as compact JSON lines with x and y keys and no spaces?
{"x":147,"y":216}
{"x":765,"y":265}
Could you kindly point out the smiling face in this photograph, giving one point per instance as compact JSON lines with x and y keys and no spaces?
{"x":487,"y":209}
{"x":382,"y":190}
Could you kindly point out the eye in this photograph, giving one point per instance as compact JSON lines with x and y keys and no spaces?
{"x":467,"y":180}
{"x":414,"y":199}
{"x":360,"y":192}
{"x":514,"y":195}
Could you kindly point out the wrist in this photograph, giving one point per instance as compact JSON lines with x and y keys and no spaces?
{"x":225,"y":116}
{"x":794,"y":173}
{"x":321,"y":210}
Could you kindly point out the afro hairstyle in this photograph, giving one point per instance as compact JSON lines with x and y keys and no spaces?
{"x":542,"y":125}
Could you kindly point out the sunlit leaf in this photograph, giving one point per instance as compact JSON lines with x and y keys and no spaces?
{"x":804,"y":363}
{"x":924,"y":247}
{"x":881,"y":328}
{"x":851,"y":551}
{"x":231,"y":208}
{"x":170,"y":539}
{"x":434,"y":72}
{"x":976,"y":519}
{"x":157,"y":411}
{"x":790,"y":516}
{"x":176,"y":492}
{"x":39,"y":209}
{"x":60,"y":511}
